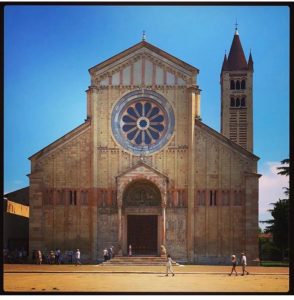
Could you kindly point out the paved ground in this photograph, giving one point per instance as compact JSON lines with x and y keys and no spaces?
{"x":120,"y":279}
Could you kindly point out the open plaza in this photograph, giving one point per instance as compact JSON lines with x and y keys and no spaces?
{"x":142,"y":279}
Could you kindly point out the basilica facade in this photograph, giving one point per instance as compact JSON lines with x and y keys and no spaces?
{"x":143,"y":169}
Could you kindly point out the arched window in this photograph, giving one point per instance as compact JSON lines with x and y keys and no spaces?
{"x":237,"y":102}
{"x":243,"y":84}
{"x":243,"y":102}
{"x":232,"y":102}
{"x":232,"y":84}
{"x":238,"y":85}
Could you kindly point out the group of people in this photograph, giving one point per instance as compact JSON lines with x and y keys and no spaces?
{"x":56,"y":257}
{"x":15,"y":256}
{"x":243,"y":264}
{"x":108,"y":254}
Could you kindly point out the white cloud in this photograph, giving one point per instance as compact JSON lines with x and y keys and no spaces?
{"x":270,"y":189}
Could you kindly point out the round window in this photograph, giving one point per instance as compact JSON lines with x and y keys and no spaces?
{"x":142,"y":121}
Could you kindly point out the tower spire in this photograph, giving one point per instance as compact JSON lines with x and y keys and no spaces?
{"x":236,"y":28}
{"x":143,"y":36}
{"x":236,"y":57}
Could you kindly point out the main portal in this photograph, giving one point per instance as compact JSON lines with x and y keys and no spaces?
{"x":142,"y":234}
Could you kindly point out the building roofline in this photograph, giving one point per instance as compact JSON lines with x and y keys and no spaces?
{"x":226,"y":140}
{"x":140,"y":45}
{"x":57,"y":142}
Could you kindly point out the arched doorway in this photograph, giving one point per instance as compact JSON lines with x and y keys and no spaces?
{"x":142,"y":211}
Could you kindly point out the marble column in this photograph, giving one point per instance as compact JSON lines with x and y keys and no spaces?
{"x":163,"y":225}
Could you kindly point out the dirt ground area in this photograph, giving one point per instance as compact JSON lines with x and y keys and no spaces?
{"x":122,"y":279}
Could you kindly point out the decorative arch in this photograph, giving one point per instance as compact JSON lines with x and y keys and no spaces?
{"x":141,"y":193}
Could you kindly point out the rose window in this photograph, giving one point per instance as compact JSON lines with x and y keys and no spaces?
{"x":143,"y":123}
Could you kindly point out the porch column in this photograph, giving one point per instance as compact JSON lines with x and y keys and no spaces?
{"x":163,"y":206}
{"x":163,"y":226}
{"x":119,"y":227}
{"x":119,"y":206}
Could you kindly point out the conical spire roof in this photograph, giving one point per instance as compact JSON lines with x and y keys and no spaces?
{"x":225,"y":63}
{"x":250,"y":62}
{"x":236,"y":58}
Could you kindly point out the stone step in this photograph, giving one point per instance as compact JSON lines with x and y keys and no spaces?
{"x":136,"y":260}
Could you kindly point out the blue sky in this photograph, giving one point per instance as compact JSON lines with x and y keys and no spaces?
{"x":49,"y":49}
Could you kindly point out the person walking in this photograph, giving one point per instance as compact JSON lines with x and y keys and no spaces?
{"x":78,"y":257}
{"x":39,"y":257}
{"x":244,"y":264}
{"x":130,"y":250}
{"x":169,"y":263}
{"x":234,"y":264}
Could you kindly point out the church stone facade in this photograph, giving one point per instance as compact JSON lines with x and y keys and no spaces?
{"x":143,"y":169}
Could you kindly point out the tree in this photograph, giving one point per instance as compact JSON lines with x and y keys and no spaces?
{"x":285,"y":170}
{"x":279,"y":223}
{"x":278,"y":226}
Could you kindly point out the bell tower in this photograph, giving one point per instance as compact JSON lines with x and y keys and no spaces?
{"x":236,"y":82}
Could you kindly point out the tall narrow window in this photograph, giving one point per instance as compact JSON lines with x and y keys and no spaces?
{"x":243,"y":102}
{"x":243,"y":84}
{"x":232,"y":86}
{"x":237,"y":102}
{"x":70,"y":197}
{"x":212,"y":198}
{"x":238,"y":85}
{"x":232,"y":102}
{"x":75,"y":197}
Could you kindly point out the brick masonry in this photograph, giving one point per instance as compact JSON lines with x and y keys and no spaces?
{"x":208,"y":184}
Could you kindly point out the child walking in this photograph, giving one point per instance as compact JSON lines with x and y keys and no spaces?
{"x":169,"y":268}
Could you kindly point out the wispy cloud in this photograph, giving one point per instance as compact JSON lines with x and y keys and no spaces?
{"x":270,"y":189}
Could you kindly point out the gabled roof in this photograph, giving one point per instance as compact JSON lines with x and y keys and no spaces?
{"x":140,"y":164}
{"x":226,"y":140}
{"x":60,"y":140}
{"x":236,"y":58}
{"x":149,"y":46}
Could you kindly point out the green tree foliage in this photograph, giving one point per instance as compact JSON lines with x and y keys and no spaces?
{"x":285,"y":170}
{"x":278,"y":226}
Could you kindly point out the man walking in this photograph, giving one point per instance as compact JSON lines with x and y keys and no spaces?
{"x":169,"y":268}
{"x":244,"y":264}
{"x":78,"y":257}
